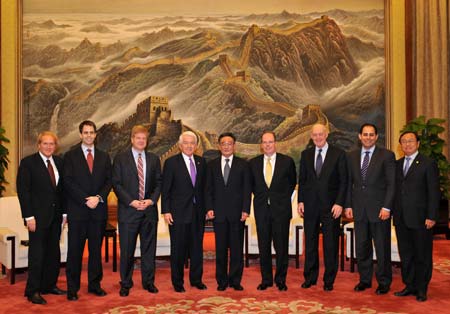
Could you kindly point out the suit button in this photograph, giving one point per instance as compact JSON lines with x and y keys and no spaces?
{"x":363,"y":187}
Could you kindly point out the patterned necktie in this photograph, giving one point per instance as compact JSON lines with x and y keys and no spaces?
{"x":226,"y":170}
{"x":268,"y":172}
{"x":90,"y":160}
{"x":141,"y":177}
{"x":193,"y":171}
{"x":319,"y":162}
{"x":51,"y":172}
{"x":365,"y":165}
{"x":406,"y":168}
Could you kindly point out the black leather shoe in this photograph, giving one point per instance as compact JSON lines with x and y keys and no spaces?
{"x":282,"y":287}
{"x":308,"y":284}
{"x":237,"y":287}
{"x":55,"y":291}
{"x":221,"y":287}
{"x":179,"y":289}
{"x":382,"y":290}
{"x":328,"y":287}
{"x":36,"y":298}
{"x":97,"y":291}
{"x":263,"y":286}
{"x":124,"y":292}
{"x":361,"y":286}
{"x":200,"y":286}
{"x":421,"y":297}
{"x":405,"y":292}
{"x":152,"y":289}
{"x":72,"y":296}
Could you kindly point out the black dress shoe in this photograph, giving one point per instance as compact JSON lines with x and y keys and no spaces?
{"x":152,"y":289}
{"x":124,"y":292}
{"x":221,"y":287}
{"x":97,"y":291}
{"x":282,"y":286}
{"x":200,"y":286}
{"x":263,"y":286}
{"x":421,"y":297}
{"x":328,"y":287}
{"x":179,"y":289}
{"x":308,"y":284}
{"x":55,"y":291}
{"x":72,"y":296}
{"x":382,"y":290}
{"x":36,"y":298}
{"x":361,"y":286}
{"x":405,"y":292}
{"x":237,"y":287}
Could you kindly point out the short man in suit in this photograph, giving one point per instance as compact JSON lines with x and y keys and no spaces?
{"x":87,"y":179}
{"x":228,"y":199}
{"x":39,"y":188}
{"x":370,"y":198}
{"x":137,"y":183}
{"x":183,"y":206}
{"x":321,"y":197}
{"x":273,"y":182}
{"x":416,"y":206}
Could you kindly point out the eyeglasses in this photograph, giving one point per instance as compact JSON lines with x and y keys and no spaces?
{"x":407,"y":141}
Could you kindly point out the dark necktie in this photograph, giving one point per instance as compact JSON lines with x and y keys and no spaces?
{"x":51,"y":172}
{"x":90,"y":160}
{"x":406,"y":168}
{"x":365,"y":165}
{"x":319,"y":162}
{"x":226,"y":170}
{"x":141,"y":177}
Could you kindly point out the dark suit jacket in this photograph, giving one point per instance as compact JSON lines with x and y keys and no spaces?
{"x":178,"y":192}
{"x":377,"y":191}
{"x":81,"y":183}
{"x":329,"y":188}
{"x":283,"y":184}
{"x":417,"y":193}
{"x":126,"y":185}
{"x":230,"y":200}
{"x":37,"y":196}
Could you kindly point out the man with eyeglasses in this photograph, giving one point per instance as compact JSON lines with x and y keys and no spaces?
{"x":416,"y":207}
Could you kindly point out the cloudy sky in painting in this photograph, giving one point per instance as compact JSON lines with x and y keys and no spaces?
{"x":194,"y":6}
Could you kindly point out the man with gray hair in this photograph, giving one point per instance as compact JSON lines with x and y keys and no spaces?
{"x":182,"y":202}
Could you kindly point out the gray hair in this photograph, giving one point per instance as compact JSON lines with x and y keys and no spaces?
{"x":188,"y":133}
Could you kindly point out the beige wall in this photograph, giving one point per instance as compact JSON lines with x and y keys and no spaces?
{"x":9,"y":89}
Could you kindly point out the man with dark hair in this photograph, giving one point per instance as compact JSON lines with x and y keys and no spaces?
{"x":273,"y":181}
{"x":87,"y":177}
{"x":416,"y":207}
{"x":39,"y":188}
{"x":370,"y":198}
{"x":137,"y":183}
{"x":228,"y":195}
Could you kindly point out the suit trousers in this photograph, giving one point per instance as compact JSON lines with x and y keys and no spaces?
{"x":380,"y":233}
{"x":186,"y":241}
{"x":278,"y":232}
{"x":44,"y":258}
{"x":79,"y":232}
{"x":229,"y":235}
{"x":128,"y":233}
{"x":416,"y":253}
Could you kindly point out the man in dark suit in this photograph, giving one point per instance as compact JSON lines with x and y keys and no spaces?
{"x":273,"y":181}
{"x":39,"y":188}
{"x":416,"y":207}
{"x":87,"y":179}
{"x":183,"y":206}
{"x":370,"y":198}
{"x":321,"y":197}
{"x":228,"y":199}
{"x":137,"y":183}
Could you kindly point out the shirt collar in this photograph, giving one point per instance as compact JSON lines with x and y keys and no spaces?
{"x":230,"y":159}
{"x":371,"y":150}
{"x":85,"y":148}
{"x":44,"y":158}
{"x":413,"y":156}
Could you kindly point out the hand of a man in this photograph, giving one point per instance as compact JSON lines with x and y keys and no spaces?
{"x":336,"y":210}
{"x":349,"y":213}
{"x":31,"y":225}
{"x":92,"y":201}
{"x":210,"y":214}
{"x":168,"y":218}
{"x":429,"y":223}
{"x":244,"y":216}
{"x":301,"y":209}
{"x":384,"y":214}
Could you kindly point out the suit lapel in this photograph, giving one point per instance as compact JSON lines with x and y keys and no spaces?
{"x":413,"y":166}
{"x":82,"y":158}
{"x":182,"y":165}
{"x":44,"y":169}
{"x":373,"y":161}
{"x":132,"y":163}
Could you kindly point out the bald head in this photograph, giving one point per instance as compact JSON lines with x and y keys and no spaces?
{"x":319,"y":134}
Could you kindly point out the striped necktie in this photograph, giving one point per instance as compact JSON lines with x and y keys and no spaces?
{"x":141,"y":177}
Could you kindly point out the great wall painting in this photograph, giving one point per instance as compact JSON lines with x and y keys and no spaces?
{"x":207,"y":73}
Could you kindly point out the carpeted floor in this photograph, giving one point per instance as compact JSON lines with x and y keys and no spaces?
{"x":296,"y":300}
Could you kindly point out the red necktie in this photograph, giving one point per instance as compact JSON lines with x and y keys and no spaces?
{"x":51,"y":173}
{"x":90,"y":160}
{"x":141,"y":177}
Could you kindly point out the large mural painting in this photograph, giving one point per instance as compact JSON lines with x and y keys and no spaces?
{"x":206,"y":69}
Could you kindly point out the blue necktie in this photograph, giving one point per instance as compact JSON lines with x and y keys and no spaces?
{"x":365,"y":165}
{"x":406,"y":168}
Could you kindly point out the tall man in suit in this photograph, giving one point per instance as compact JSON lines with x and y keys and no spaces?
{"x":137,"y":183}
{"x":321,"y":197}
{"x":416,"y":205}
{"x":39,"y":188}
{"x":370,"y":198}
{"x":87,"y":177}
{"x":273,"y":181}
{"x":228,"y":199}
{"x":183,"y":206}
